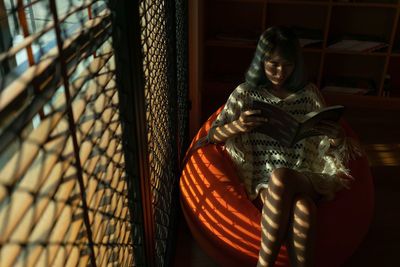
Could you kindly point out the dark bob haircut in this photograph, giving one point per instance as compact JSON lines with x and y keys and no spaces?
{"x":285,"y":41}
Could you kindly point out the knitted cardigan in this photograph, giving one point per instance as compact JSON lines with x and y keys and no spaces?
{"x":256,"y":155}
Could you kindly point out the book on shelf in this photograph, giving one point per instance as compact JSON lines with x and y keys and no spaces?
{"x":286,"y":129}
{"x":358,"y":45}
{"x":349,"y":85}
{"x":304,"y":42}
{"x":345,"y":90}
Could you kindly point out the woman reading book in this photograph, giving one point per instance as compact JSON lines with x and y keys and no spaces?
{"x":285,"y":182}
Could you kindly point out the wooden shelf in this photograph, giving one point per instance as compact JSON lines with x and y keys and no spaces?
{"x":240,"y":1}
{"x":381,"y":102}
{"x":315,"y":3}
{"x":358,"y":4}
{"x":329,"y":19}
{"x":349,"y":52}
{"x":294,"y":2}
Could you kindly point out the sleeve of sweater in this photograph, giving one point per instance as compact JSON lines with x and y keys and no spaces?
{"x":237,"y":101}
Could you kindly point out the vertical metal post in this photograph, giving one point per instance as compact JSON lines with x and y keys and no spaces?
{"x":141,"y":129}
{"x":72,"y":128}
{"x":90,"y":16}
{"x":25,"y":30}
{"x":131,"y":86}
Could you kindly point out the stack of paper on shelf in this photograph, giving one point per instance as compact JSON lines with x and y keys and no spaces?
{"x":358,"y":45}
{"x":345,"y":90}
{"x":349,"y":85}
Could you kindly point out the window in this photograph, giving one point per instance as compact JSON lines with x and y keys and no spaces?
{"x":63,"y":190}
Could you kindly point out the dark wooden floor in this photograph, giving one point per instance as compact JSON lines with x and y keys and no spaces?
{"x":379,"y":133}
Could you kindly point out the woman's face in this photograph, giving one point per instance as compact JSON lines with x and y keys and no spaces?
{"x":277,"y":69}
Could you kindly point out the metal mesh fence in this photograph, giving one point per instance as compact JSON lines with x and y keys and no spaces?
{"x":70,"y":191}
{"x":158,"y":120}
{"x":164,"y":96}
{"x":182,"y":73}
{"x":63,"y":184}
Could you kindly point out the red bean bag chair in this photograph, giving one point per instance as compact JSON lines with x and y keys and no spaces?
{"x":227,"y":225}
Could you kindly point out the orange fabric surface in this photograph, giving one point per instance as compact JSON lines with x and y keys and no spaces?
{"x":227,"y":225}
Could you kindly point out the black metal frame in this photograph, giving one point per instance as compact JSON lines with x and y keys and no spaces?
{"x":131,"y":83}
{"x":128,"y":57}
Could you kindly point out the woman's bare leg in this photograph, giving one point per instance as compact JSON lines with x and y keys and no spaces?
{"x":301,"y":234}
{"x":278,"y":199}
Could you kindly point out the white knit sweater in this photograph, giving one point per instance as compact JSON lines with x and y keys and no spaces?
{"x":256,"y":155}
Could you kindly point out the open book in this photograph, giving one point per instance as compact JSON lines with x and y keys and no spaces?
{"x":286,"y":129}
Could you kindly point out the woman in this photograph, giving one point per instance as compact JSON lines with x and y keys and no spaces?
{"x":286,"y":182}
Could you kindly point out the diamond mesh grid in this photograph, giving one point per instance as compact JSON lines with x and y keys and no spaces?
{"x":165,"y":88}
{"x":65,"y":197}
{"x":63,"y":185}
{"x":182,"y":72}
{"x":162,"y":157}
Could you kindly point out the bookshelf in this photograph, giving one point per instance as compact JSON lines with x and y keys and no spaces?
{"x":228,"y":30}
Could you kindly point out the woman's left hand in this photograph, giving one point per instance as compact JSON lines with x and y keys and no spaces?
{"x":333,"y":130}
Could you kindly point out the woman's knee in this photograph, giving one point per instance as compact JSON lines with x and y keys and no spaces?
{"x":304,"y":208}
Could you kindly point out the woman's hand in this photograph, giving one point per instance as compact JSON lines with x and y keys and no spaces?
{"x":333,"y":130}
{"x":249,"y":120}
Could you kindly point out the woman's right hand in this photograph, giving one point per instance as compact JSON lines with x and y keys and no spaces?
{"x":249,"y":120}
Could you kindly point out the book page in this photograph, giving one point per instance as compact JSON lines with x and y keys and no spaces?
{"x":281,"y":125}
{"x":332,"y":113}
